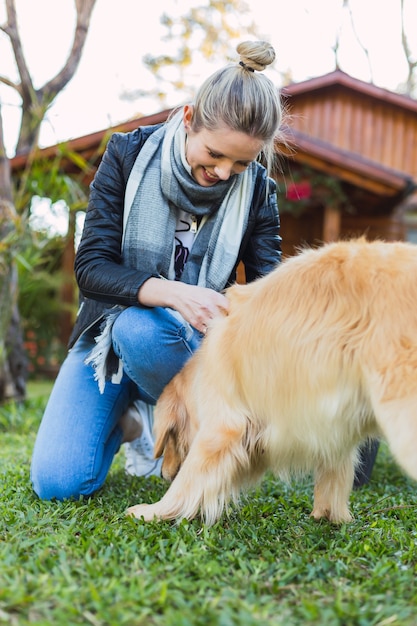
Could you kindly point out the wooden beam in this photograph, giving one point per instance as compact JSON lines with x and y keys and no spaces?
{"x":331,"y":223}
{"x":358,"y":179}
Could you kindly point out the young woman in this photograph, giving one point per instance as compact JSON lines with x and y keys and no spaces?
{"x":173,"y":209}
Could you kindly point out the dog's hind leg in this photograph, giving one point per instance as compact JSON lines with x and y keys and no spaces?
{"x":393,"y":393}
{"x":209,"y":478}
{"x":398,"y":422}
{"x":332,"y":489}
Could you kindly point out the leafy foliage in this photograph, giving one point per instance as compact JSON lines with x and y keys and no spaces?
{"x":41,"y":274}
{"x":45,"y":177}
{"x":208,"y":32}
{"x":40,"y":305}
{"x":303,"y":188}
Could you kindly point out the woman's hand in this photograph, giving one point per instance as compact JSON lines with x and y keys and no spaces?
{"x":197,"y":305}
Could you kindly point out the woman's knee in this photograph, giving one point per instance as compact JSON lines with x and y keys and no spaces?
{"x":135,"y":328}
{"x":152,"y":332}
{"x":47,"y":487}
{"x":53,"y":480}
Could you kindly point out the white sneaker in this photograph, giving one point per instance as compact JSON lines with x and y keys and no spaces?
{"x":139,"y":452}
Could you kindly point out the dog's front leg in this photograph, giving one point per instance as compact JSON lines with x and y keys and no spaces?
{"x":208,"y":479}
{"x":332,"y":489}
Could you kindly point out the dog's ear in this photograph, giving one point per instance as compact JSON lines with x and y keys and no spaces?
{"x":171,"y":428}
{"x":161,"y":441}
{"x":171,"y":417}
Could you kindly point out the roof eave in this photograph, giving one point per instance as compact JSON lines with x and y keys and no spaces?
{"x":347,"y":166}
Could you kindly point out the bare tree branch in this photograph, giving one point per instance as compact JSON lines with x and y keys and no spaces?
{"x":9,"y":83}
{"x":84,"y":10}
{"x":35,"y":102}
{"x":336,"y":46}
{"x":5,"y":176}
{"x":411,"y":81}
{"x":11,"y":29}
{"x":365,"y":50}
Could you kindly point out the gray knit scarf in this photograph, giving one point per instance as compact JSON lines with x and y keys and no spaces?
{"x":159,"y":183}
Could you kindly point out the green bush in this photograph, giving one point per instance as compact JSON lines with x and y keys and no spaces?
{"x":40,"y":305}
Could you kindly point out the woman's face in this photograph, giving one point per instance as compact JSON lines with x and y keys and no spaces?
{"x":215,"y":155}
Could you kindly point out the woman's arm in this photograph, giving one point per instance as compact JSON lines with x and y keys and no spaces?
{"x":98,"y":269}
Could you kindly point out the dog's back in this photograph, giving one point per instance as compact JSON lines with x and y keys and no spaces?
{"x":311,"y":340}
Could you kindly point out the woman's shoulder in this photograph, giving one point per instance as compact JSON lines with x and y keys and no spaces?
{"x":133,"y":140}
{"x":123,"y":148}
{"x":262,"y":180}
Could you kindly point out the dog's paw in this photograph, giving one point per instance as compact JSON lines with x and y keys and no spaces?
{"x":319,"y":513}
{"x":340,"y":517}
{"x":143,"y":511}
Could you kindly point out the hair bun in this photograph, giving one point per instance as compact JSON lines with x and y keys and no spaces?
{"x":255,"y":55}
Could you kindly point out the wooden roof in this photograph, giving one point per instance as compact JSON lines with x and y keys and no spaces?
{"x":348,"y":166}
{"x":343,"y":80}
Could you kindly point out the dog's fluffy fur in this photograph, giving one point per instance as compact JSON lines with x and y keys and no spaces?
{"x":311,"y":360}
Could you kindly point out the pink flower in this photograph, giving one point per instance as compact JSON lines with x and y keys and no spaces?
{"x":299,"y":191}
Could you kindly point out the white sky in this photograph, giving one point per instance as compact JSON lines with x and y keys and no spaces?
{"x":123,"y":31}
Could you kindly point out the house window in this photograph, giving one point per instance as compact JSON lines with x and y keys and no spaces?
{"x":410,"y":220}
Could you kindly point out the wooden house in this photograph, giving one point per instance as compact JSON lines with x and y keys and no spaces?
{"x":352,"y":162}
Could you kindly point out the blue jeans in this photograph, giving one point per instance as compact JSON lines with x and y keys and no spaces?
{"x":79,"y":433}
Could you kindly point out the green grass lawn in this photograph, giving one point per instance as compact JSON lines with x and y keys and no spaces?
{"x":85,"y":562}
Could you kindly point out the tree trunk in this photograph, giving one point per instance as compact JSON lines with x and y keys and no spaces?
{"x":68,"y":286}
{"x":34,"y":104}
{"x":5,"y":315}
{"x":12,"y":356}
{"x":16,"y":364}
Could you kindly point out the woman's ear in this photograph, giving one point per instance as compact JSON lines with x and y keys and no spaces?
{"x":187,"y":116}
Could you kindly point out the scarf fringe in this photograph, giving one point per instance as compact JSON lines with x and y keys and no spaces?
{"x":98,"y":358}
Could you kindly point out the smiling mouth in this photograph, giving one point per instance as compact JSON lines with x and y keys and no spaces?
{"x":209,"y":176}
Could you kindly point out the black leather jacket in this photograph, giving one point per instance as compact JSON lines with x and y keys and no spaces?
{"x":102,"y":279}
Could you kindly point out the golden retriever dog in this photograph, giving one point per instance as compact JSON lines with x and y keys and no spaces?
{"x":312,"y":359}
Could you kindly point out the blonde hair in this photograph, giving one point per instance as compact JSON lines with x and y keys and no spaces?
{"x":239,"y":97}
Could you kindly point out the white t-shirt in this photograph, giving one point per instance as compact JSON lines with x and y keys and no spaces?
{"x":185,"y":233}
